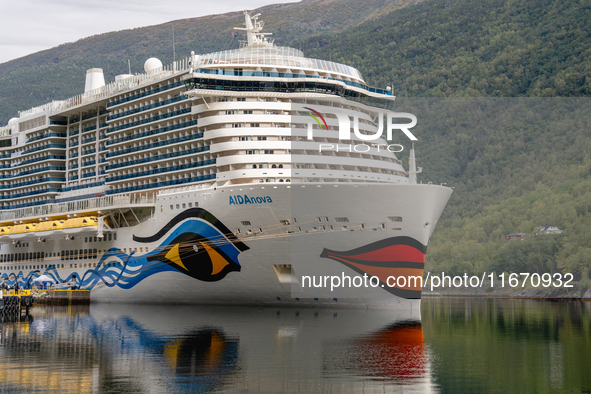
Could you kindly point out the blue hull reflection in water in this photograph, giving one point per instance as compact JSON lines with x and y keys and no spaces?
{"x":130,"y":348}
{"x":457,"y":346}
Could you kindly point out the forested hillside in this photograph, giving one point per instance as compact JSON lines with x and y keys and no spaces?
{"x":515,"y":165}
{"x":498,"y":48}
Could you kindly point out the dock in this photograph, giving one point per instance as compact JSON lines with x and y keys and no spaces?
{"x":13,"y":303}
{"x":63,"y":297}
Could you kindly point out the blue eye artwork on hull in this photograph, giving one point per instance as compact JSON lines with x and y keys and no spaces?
{"x":201,"y":247}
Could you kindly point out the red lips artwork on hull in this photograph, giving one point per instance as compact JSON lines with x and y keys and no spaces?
{"x":388,"y":260}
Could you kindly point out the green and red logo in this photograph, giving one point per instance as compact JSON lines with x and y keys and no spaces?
{"x":315,"y":114}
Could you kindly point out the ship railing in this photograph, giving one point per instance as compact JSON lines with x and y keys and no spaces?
{"x":5,"y":131}
{"x":112,"y":88}
{"x":190,"y":188}
{"x":99,"y":202}
{"x":276,"y":56}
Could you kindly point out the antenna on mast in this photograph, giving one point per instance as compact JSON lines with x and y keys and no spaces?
{"x":253,"y":31}
{"x":129,"y":66}
{"x":173,"y":48}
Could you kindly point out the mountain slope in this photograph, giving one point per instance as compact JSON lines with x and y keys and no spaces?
{"x":515,"y":165}
{"x":493,"y":48}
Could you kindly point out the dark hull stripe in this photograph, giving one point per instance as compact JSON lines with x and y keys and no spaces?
{"x":197,"y":213}
{"x":384,"y":243}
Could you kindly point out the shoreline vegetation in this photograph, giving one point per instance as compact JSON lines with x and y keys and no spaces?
{"x":575,"y":293}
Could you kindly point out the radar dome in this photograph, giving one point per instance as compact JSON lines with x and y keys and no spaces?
{"x":152,"y":64}
{"x":12,"y":120}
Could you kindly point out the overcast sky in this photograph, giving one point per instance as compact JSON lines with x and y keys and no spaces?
{"x":30,"y":26}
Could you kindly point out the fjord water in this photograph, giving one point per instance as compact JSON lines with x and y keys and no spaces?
{"x":458,"y":345}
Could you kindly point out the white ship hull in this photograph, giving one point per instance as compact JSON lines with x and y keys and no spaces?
{"x":154,"y":274}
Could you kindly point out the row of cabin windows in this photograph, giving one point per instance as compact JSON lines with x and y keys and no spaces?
{"x":183,"y":205}
{"x":55,"y":266}
{"x":31,"y":267}
{"x":267,"y":166}
{"x":251,"y":138}
{"x":22,"y":257}
{"x":326,"y":219}
{"x":107,"y":237}
{"x":258,"y":151}
{"x":39,"y":256}
{"x":78,"y":255}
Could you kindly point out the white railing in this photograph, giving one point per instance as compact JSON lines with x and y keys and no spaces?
{"x":5,"y":131}
{"x":182,"y":189}
{"x":103,"y":202}
{"x":274,"y":56}
{"x":264,"y":56}
{"x":111,"y":88}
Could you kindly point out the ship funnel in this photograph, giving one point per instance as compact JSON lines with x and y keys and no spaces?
{"x":94,"y":79}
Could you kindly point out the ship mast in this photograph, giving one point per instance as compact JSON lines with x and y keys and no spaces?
{"x":253,"y":35}
{"x":412,"y":167}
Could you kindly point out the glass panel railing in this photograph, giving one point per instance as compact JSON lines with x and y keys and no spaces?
{"x":144,"y":94}
{"x":162,"y":184}
{"x":34,"y":171}
{"x":36,"y":181}
{"x":48,"y":146}
{"x":159,"y":157}
{"x":31,"y":193}
{"x":29,"y":204}
{"x":40,"y":137}
{"x":162,"y":170}
{"x":149,"y":120}
{"x":294,"y":87}
{"x":87,"y":129}
{"x":42,"y":158}
{"x":79,"y":187}
{"x":155,"y":145}
{"x":147,"y":107}
{"x":152,"y":132}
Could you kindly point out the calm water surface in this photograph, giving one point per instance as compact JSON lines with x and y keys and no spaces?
{"x":455,"y":345}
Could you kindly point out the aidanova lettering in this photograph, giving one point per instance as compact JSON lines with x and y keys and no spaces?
{"x":240,"y":200}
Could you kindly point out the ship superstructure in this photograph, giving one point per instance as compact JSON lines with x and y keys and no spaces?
{"x":149,"y":153}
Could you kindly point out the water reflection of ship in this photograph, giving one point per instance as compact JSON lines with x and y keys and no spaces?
{"x":80,"y":346}
{"x":195,"y":349}
{"x":397,"y":353}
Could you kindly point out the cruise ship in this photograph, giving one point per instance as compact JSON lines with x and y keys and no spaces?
{"x":247,"y":176}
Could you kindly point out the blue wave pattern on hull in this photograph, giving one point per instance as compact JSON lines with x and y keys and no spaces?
{"x":195,"y":248}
